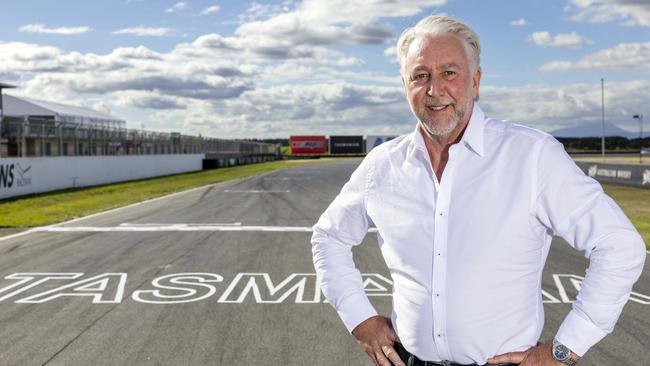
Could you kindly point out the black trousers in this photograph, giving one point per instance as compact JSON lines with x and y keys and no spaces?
{"x":411,"y":360}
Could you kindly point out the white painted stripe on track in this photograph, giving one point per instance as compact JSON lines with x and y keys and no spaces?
{"x":37,"y":229}
{"x":255,"y":191}
{"x":28,"y":231}
{"x":288,"y":178}
{"x":160,"y":224}
{"x":178,"y":227}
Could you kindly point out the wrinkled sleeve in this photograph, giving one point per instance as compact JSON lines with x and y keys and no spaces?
{"x":575,"y":208}
{"x":343,"y":225}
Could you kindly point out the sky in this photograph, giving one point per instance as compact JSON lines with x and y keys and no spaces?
{"x":267,"y":69}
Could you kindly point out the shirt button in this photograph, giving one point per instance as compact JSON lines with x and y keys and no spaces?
{"x":439,"y":336}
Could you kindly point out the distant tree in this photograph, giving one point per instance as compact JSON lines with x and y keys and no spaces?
{"x":594,"y":143}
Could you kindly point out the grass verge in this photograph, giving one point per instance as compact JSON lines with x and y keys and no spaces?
{"x":636,"y":204}
{"x":53,"y":207}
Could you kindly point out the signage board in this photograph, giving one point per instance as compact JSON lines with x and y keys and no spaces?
{"x":373,"y":141}
{"x":308,"y":144}
{"x":346,"y":144}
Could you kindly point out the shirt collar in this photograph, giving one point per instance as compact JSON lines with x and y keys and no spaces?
{"x":473,"y":136}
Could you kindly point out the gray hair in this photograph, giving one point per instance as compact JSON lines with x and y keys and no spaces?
{"x":435,"y":25}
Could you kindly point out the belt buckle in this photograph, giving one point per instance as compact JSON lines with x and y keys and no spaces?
{"x":446,"y":363}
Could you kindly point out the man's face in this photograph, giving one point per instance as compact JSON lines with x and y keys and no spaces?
{"x":439,"y":82}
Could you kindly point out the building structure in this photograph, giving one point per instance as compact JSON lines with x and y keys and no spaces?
{"x":37,"y":128}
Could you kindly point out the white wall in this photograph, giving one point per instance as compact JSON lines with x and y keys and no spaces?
{"x":20,"y":176}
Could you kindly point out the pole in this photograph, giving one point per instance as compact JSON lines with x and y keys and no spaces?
{"x":602,"y":104}
{"x":640,"y":118}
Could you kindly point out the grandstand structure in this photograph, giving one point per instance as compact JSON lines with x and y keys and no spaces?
{"x":36,"y":128}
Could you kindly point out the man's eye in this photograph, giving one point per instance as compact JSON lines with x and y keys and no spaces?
{"x":449,"y":74}
{"x":420,"y":77}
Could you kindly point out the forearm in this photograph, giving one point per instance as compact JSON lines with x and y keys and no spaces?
{"x":340,"y":280}
{"x":616,"y":262}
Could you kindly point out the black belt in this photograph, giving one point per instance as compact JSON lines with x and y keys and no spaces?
{"x":412,"y":360}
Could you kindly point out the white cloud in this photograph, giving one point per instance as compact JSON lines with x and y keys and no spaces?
{"x":143,"y":31}
{"x":553,"y":106}
{"x":275,"y":76}
{"x":258,"y":11}
{"x":147,"y":100}
{"x":627,"y":12}
{"x":200,"y":89}
{"x":323,"y":108}
{"x":40,"y":28}
{"x":623,"y":56}
{"x":138,"y":69}
{"x":391,"y":54}
{"x":315,"y":22}
{"x":519,"y":22}
{"x":569,"y":40}
{"x":176,"y":7}
{"x":252,"y":48}
{"x":210,"y":10}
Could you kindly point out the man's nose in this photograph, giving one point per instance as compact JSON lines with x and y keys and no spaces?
{"x":435,"y":87}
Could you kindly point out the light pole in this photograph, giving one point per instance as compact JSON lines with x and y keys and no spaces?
{"x":602,"y":105}
{"x":640,"y":118}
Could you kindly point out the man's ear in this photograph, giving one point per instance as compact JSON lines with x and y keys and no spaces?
{"x":476,"y":82}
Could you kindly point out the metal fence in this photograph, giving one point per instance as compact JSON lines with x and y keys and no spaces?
{"x":42,"y":136}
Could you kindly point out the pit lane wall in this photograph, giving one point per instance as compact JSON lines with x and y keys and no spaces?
{"x":626,"y":174}
{"x":22,"y":176}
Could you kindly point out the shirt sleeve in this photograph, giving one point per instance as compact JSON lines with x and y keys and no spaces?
{"x":575,"y":207}
{"x":342,"y":225}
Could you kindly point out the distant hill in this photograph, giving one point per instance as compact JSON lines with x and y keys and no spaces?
{"x":593,"y":130}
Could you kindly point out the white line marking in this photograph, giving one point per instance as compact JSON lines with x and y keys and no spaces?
{"x":36,"y":229}
{"x":255,"y":191}
{"x":178,"y":227}
{"x":288,"y":178}
{"x":29,"y":231}
{"x":181,"y":225}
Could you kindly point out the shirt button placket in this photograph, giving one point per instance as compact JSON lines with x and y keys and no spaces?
{"x":439,"y":272}
{"x":440,"y":261}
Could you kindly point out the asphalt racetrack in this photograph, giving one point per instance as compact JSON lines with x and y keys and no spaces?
{"x":223,"y":275}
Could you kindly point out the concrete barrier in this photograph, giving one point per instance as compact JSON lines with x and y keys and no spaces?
{"x":22,"y":176}
{"x":626,"y":174}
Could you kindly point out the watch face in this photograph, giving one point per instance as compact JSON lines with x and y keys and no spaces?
{"x":561,"y":352}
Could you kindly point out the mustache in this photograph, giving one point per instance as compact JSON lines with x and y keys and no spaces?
{"x":430,"y":101}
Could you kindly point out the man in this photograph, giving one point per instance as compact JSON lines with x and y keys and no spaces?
{"x":465,"y":208}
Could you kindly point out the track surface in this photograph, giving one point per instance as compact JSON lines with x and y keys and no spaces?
{"x":237,"y":318}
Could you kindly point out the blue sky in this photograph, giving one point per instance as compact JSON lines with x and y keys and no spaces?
{"x":271,"y":69}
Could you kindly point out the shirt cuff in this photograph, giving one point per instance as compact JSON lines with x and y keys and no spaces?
{"x":578,"y":334}
{"x":354,"y":309}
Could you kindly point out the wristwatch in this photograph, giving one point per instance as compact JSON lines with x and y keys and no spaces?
{"x":562,"y":354}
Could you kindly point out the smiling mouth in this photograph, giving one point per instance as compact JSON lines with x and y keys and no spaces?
{"x":437,"y":108}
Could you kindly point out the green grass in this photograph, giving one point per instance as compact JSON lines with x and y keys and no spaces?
{"x":285,"y":150}
{"x":636,"y":204}
{"x":50,"y":208}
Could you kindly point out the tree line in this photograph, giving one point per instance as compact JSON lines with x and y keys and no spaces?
{"x":570,"y":143}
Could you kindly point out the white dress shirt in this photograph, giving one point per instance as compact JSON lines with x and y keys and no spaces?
{"x":466,"y":254}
